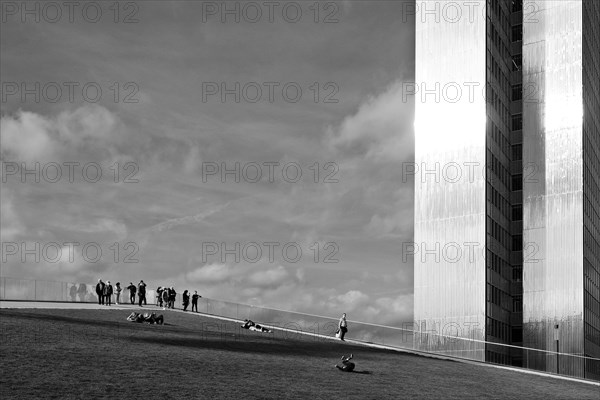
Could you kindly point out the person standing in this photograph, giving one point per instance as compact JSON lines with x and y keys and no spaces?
{"x":185,"y":300}
{"x":195,"y":297}
{"x":159,"y":299}
{"x":108,"y":292}
{"x":100,"y":291}
{"x":142,"y":293}
{"x":172,"y":297}
{"x":343,"y":326}
{"x":165,"y":298}
{"x":132,"y":290}
{"x":118,"y":291}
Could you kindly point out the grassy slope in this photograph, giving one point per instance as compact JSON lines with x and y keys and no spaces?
{"x":96,"y":353}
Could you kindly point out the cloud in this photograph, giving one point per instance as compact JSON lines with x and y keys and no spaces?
{"x":381,"y":129}
{"x":269,"y":278}
{"x":210,"y":274}
{"x":27,"y":137}
{"x":91,"y":131}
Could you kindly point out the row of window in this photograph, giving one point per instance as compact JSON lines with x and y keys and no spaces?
{"x":498,"y":73}
{"x":517,"y":5}
{"x":592,"y":311}
{"x":516,"y":122}
{"x":517,"y":33}
{"x":498,"y":169}
{"x":518,"y":304}
{"x":517,"y":273}
{"x":517,"y":62}
{"x":590,"y":282}
{"x":501,"y":140}
{"x":501,"y":16}
{"x":497,"y":358}
{"x":501,"y":235}
{"x":497,"y":38}
{"x":498,"y":297}
{"x":498,"y":329}
{"x":499,"y":201}
{"x":498,"y":264}
{"x":499,"y":105}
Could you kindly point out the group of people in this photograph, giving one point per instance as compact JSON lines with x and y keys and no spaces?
{"x":105,"y":291}
{"x":140,"y":289}
{"x":186,"y":300}
{"x":165,"y":297}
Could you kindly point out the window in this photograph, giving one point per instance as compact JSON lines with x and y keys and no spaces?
{"x":517,"y":5}
{"x":517,"y":152}
{"x":517,"y":274}
{"x":517,"y":335}
{"x":517,"y":182}
{"x":517,"y":62}
{"x":517,"y":213}
{"x":517,"y":92}
{"x":517,"y":33}
{"x":517,"y":122}
{"x":518,"y":304}
{"x":517,"y":244}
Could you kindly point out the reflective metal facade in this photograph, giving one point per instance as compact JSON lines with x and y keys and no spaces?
{"x":591,"y":185}
{"x":554,"y":187}
{"x":450,"y":203}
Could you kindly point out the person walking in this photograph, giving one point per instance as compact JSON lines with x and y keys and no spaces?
{"x":343,"y":326}
{"x":108,"y":292}
{"x":132,"y":290}
{"x":100,"y":291}
{"x":185,"y":300}
{"x":195,"y":297}
{"x":118,"y":291}
{"x":142,"y":293}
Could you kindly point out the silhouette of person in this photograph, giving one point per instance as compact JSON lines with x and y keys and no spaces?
{"x":100,"y":291}
{"x":346,"y":366}
{"x":73,"y":293}
{"x":195,"y":297}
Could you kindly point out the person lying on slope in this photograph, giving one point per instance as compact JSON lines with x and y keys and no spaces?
{"x":249,"y":324}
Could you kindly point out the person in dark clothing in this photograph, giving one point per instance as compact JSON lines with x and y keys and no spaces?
{"x":142,"y":293}
{"x":132,"y":290}
{"x":253,"y":326}
{"x":346,"y":366}
{"x":195,"y":297}
{"x":172,"y":297}
{"x":108,"y":292}
{"x":165,"y":298}
{"x":159,"y":299}
{"x":100,"y":291}
{"x":185,"y":300}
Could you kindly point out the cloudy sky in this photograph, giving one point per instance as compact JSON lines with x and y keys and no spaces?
{"x":162,"y":130}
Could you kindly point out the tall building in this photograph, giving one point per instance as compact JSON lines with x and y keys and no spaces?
{"x":506,"y":190}
{"x":561,"y":299}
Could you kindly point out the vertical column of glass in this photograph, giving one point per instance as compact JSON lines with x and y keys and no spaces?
{"x":553,"y":183}
{"x":450,"y":209}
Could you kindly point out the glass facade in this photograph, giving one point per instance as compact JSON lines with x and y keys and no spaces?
{"x":560,"y":185}
{"x":591,"y":186}
{"x":450,"y":186}
{"x":534,"y":208}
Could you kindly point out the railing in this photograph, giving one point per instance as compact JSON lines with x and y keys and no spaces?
{"x":404,"y":338}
